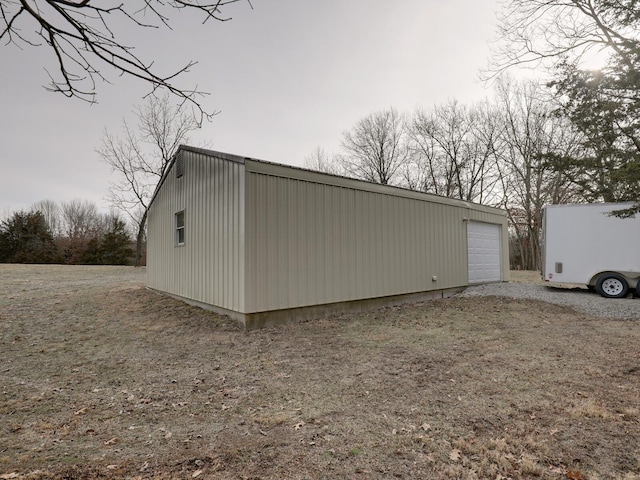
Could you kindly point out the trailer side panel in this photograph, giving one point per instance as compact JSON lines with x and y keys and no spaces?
{"x":581,"y":241}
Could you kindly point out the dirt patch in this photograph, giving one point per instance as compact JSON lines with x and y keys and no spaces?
{"x":526,"y":276}
{"x":100,"y":378}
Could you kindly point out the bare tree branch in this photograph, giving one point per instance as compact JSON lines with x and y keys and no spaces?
{"x":82,"y":40}
{"x":535,"y":32}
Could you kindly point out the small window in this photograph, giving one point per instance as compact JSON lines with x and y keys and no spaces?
{"x":179,"y":166}
{"x":180,"y":228}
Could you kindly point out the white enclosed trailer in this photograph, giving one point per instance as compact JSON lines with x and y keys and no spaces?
{"x":587,"y":245}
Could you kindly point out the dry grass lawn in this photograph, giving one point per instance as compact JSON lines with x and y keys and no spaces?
{"x":100,"y":378}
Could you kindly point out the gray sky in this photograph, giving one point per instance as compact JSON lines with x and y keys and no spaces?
{"x":287,"y":76}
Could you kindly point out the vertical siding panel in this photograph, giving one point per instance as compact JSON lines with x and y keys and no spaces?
{"x":258,"y":259}
{"x":261,"y":242}
{"x":385,"y":206}
{"x":351,"y":249}
{"x":403,"y":237}
{"x":384,"y":214}
{"x":196,"y":222}
{"x":367,"y":256}
{"x":274,"y":226}
{"x":215,"y":200}
{"x":297,"y":244}
{"x":285,"y":240}
{"x":309,"y":226}
{"x":249,"y":236}
{"x":418,"y":264}
{"x":397,"y":247}
{"x":341,"y":207}
{"x":369,"y":236}
{"x":292,"y":235}
{"x":221,"y":245}
{"x":223,"y":249}
{"x":241,"y":229}
{"x":234,"y":272}
{"x":365,"y":260}
{"x":217,"y":259}
{"x":268,"y":225}
{"x":413,"y":250}
{"x":329,"y":236}
{"x":333,"y":232}
{"x":193,"y":249}
{"x":319,"y":241}
{"x":229,"y":265}
{"x":433,"y":228}
{"x":380,"y":280}
{"x":273,"y":264}
{"x":337,"y":242}
{"x":209,"y":218}
{"x":348,"y":248}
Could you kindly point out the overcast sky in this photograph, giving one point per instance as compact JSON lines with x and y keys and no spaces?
{"x":286,"y":76}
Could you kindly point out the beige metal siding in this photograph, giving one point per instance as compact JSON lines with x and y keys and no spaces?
{"x":263,"y":237}
{"x":209,"y":268}
{"x":312,"y":243}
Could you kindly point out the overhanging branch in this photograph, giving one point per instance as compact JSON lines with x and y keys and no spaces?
{"x":81,"y":37}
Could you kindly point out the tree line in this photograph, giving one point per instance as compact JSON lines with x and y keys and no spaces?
{"x":70,"y":233}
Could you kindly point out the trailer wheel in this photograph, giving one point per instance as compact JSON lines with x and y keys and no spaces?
{"x":612,"y":285}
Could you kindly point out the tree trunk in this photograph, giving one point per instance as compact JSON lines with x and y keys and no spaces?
{"x":140,"y":237}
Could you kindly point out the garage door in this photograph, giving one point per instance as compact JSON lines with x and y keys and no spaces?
{"x":483,"y":240}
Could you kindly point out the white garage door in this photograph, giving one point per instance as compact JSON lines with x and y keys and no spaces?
{"x":483,"y":240}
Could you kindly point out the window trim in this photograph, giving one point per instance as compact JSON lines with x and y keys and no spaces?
{"x":180,"y":230}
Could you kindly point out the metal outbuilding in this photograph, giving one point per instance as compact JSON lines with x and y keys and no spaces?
{"x":267,"y":243}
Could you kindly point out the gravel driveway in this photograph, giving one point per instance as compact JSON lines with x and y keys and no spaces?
{"x":529,"y":285}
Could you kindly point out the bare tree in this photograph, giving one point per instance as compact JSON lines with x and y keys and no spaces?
{"x":453,"y":155}
{"x":531,"y":135}
{"x":141,"y":157}
{"x":83,"y":40}
{"x":375,"y":148}
{"x":52,"y":215}
{"x":320,"y":161}
{"x":79,"y":219}
{"x":80,"y":222}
